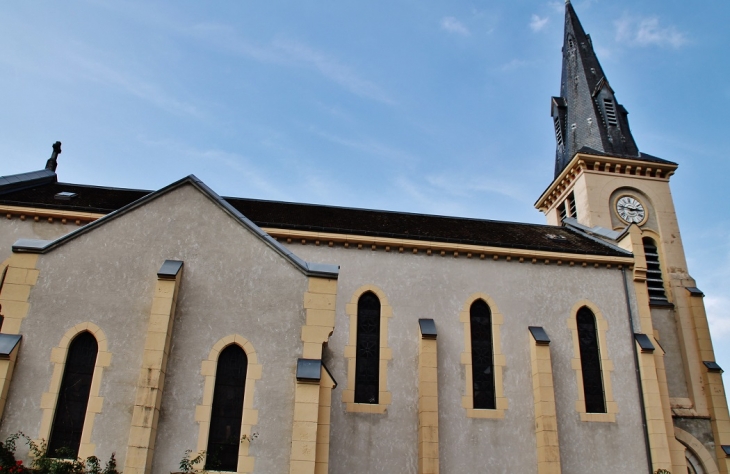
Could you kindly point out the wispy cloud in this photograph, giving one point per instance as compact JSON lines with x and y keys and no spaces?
{"x":452,"y":25}
{"x":291,"y":53}
{"x":514,"y":64}
{"x":464,"y":186}
{"x":537,"y":23}
{"x":370,"y":147}
{"x":73,"y":61}
{"x":558,"y":7}
{"x":332,"y":69}
{"x":648,"y":32}
{"x":424,"y":198}
{"x":100,"y":72}
{"x":238,"y":165}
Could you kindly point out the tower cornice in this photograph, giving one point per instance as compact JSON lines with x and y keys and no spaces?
{"x":649,"y":168}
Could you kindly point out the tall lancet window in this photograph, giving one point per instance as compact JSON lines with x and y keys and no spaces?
{"x":367,"y":357}
{"x":482,"y":354}
{"x":226,"y":416}
{"x":590,"y":362}
{"x":73,"y":397}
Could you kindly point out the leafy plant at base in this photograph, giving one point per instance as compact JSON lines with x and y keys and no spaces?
{"x":8,"y":463}
{"x":187,"y":464}
{"x":42,"y":463}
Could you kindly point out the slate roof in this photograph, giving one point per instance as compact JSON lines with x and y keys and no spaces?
{"x":340,"y":220}
{"x":581,"y":113}
{"x":96,"y":199}
{"x":24,"y":180}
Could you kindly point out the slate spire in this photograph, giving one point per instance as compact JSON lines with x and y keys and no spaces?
{"x":587,"y":115}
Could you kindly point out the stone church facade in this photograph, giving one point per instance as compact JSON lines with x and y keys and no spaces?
{"x":282,"y":337}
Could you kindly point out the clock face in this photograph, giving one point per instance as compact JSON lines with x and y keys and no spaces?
{"x":630,"y":210}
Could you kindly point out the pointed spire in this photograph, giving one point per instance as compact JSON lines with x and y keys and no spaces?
{"x":587,"y":115}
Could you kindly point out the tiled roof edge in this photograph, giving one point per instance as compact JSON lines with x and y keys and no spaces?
{"x":16,"y":182}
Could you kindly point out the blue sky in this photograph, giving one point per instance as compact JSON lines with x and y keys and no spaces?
{"x":432,"y":107}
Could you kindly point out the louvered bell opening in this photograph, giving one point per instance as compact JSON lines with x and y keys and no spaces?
{"x":610,"y":108}
{"x":558,"y":132}
{"x":654,"y":280}
{"x":563,"y":211}
{"x":571,"y":202}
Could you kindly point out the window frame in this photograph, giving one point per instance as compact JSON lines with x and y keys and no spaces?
{"x":386,"y":354}
{"x":364,"y":364}
{"x":488,"y":343}
{"x":219,"y":386}
{"x":606,"y":364}
{"x":249,"y":419}
{"x":78,"y":372}
{"x":49,"y":399}
{"x":499,"y":360}
{"x":590,"y":354}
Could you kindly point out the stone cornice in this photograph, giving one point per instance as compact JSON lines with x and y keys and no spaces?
{"x":51,"y":215}
{"x":447,"y":249}
{"x":374,"y":243}
{"x":607,"y":165}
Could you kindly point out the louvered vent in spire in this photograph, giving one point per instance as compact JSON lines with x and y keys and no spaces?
{"x":558,"y":132}
{"x":610,"y":109}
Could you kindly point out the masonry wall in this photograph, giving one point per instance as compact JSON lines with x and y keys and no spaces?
{"x":232,"y":284}
{"x":13,"y":229}
{"x":421,"y":286}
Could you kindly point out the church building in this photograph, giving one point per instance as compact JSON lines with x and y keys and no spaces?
{"x":277,"y":337}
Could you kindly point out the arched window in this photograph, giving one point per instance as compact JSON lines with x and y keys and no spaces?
{"x":654,"y":280}
{"x":73,"y":397}
{"x":226,"y":417}
{"x":590,"y":362}
{"x":482,"y":355}
{"x":367,"y":356}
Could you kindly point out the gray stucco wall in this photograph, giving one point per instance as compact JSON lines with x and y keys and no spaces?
{"x":232,"y":283}
{"x":420,"y":286}
{"x":13,"y":229}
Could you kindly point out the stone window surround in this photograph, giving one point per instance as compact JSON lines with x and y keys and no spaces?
{"x":386,"y":354}
{"x":250,"y":415}
{"x":49,"y":399}
{"x":606,"y":365}
{"x":467,"y":401}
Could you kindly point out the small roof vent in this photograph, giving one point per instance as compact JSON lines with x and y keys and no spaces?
{"x":64,"y":196}
{"x":555,"y":237}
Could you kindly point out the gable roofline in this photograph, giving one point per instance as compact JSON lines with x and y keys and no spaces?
{"x":307,"y":268}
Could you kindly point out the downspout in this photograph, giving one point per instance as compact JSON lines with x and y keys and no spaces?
{"x":638,"y":373}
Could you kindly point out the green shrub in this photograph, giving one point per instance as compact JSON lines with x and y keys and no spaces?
{"x":63,"y":461}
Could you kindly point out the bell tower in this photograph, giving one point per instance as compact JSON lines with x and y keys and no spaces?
{"x":605,"y":186}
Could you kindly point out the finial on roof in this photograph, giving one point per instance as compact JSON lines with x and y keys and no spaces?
{"x":51,"y":164}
